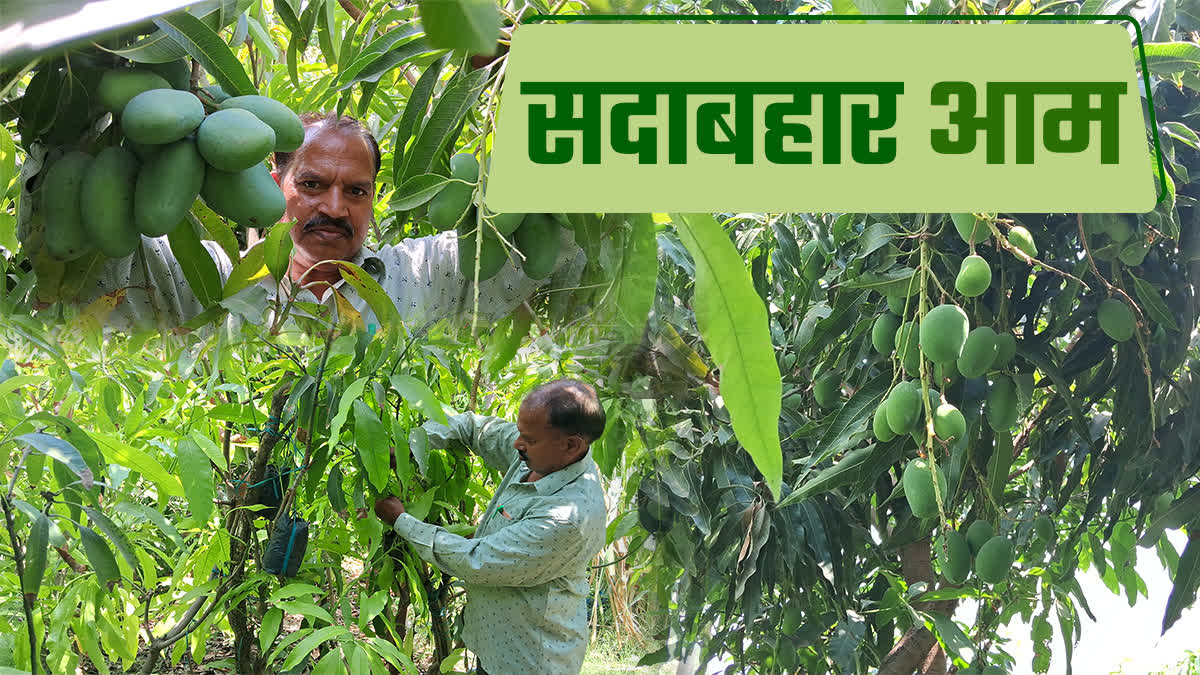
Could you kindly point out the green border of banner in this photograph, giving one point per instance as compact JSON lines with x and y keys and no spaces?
{"x":1137,"y":28}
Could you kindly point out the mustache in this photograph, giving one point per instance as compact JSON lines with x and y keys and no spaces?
{"x":326,"y":221}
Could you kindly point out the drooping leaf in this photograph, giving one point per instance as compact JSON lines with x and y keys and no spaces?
{"x":1153,"y":303}
{"x":198,"y":266}
{"x":195,"y":466}
{"x":277,"y":250}
{"x":371,"y":443}
{"x":207,"y":47}
{"x":733,"y":324}
{"x":269,"y":629}
{"x":247,"y":272}
{"x":635,"y":283}
{"x":414,"y":111}
{"x":418,"y":190}
{"x":419,"y":395}
{"x":470,"y":25}
{"x":349,"y":395}
{"x":459,"y":96}
{"x":1187,"y":582}
{"x":37,"y":544}
{"x":115,"y":535}
{"x":131,"y":508}
{"x":100,"y":556}
{"x":952,"y":638}
{"x":61,"y":451}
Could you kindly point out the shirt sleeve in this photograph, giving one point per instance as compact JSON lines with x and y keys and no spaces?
{"x":489,"y":437}
{"x":527,"y":553}
{"x":161,"y":296}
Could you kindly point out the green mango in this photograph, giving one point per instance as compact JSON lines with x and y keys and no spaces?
{"x":250,"y":197}
{"x":167,"y":184}
{"x":160,"y":116}
{"x":65,"y":235}
{"x":106,"y":202}
{"x":289,"y":131}
{"x":234,"y":140}
{"x":539,"y":241}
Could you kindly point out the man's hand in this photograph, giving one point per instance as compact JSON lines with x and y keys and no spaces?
{"x":389,"y":509}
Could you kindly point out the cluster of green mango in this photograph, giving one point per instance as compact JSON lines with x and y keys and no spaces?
{"x":170,"y":150}
{"x":535,"y":236}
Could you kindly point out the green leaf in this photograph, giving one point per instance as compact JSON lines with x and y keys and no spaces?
{"x":294,"y":590}
{"x":635,"y":282}
{"x":135,"y":509}
{"x":1187,"y":581}
{"x":330,"y":664}
{"x":302,"y":648}
{"x":418,"y":190}
{"x":277,"y":250}
{"x":115,"y":535}
{"x":37,"y":544}
{"x":470,"y":25}
{"x":119,"y":452}
{"x":451,"y":106}
{"x":1153,"y":303}
{"x":1168,"y":58}
{"x":100,"y":556}
{"x":371,"y":444}
{"x":159,"y":47}
{"x":207,"y":47}
{"x":262,"y":38}
{"x":733,"y":324}
{"x":269,"y":628}
{"x":420,"y":396}
{"x":377,"y":298}
{"x":414,"y":110}
{"x":370,"y":54}
{"x":247,"y":272}
{"x":8,"y":159}
{"x":370,"y":606}
{"x":61,"y":451}
{"x":419,"y":507}
{"x":349,"y":395}
{"x":875,"y":237}
{"x":198,"y":266}
{"x":198,"y":487}
{"x":841,"y":473}
{"x":217,"y":229}
{"x":952,"y":637}
{"x":898,"y":281}
{"x":210,"y":448}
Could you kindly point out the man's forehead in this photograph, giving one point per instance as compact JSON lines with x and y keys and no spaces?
{"x":327,"y":148}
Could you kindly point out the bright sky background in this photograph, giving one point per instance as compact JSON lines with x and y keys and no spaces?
{"x":1124,"y":636}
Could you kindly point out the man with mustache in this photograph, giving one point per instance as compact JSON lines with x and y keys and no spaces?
{"x":525,"y":568}
{"x":329,"y":186}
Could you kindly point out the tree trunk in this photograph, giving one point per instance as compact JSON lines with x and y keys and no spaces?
{"x":918,"y":649}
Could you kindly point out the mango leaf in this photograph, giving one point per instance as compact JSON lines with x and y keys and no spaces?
{"x":418,"y":190}
{"x":8,"y":159}
{"x":137,"y":510}
{"x":371,"y":443}
{"x":370,"y":290}
{"x":100,"y":556}
{"x":419,"y":507}
{"x":1168,"y":58}
{"x":198,"y":487}
{"x":349,"y":395}
{"x":635,"y":283}
{"x":207,"y":47}
{"x":420,"y":396}
{"x":119,"y":452}
{"x":898,"y":282}
{"x":1153,"y":303}
{"x":159,"y":47}
{"x":452,"y":105}
{"x":37,"y":544}
{"x":270,"y":624}
{"x":302,"y":648}
{"x":845,"y":471}
{"x":277,"y":249}
{"x":1187,"y":581}
{"x":952,"y":637}
{"x":733,"y":323}
{"x":247,"y":272}
{"x":61,"y":451}
{"x":114,"y":534}
{"x":217,"y":229}
{"x":198,"y":266}
{"x":370,"y":54}
{"x":470,"y":25}
{"x":414,"y":110}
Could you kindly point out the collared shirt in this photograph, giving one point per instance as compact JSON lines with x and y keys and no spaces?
{"x":420,"y":275}
{"x":525,"y":568}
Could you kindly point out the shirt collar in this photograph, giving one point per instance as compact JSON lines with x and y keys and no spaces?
{"x":556,"y":481}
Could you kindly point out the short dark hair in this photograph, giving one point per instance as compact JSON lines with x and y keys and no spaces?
{"x":571,"y":407}
{"x":344,"y":124}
